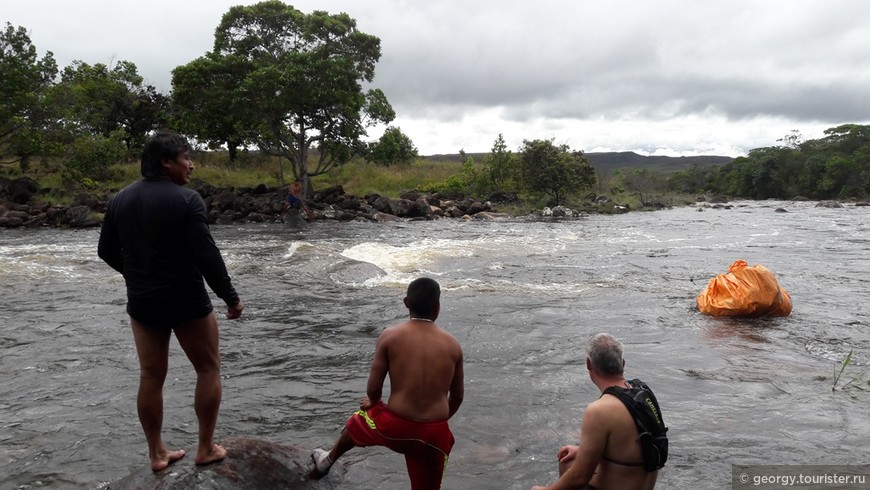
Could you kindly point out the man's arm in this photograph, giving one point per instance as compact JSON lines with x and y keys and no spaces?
{"x":109,"y":246}
{"x":378,"y":372}
{"x":208,"y":258}
{"x":457,"y":387}
{"x":593,"y":441}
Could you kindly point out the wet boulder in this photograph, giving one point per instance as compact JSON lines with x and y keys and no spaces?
{"x":251,"y":464}
{"x":828,"y":204}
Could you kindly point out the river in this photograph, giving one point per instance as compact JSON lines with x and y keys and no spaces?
{"x":522,"y":297}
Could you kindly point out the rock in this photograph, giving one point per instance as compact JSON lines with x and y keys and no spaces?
{"x":561,"y":211}
{"x":11,"y":222}
{"x":381,"y":217}
{"x":330,"y":194}
{"x":828,"y":204}
{"x":22,"y":190}
{"x":800,"y":198}
{"x":477,"y":207}
{"x":489,"y":215}
{"x":421,"y":208}
{"x":251,"y":464}
{"x":401,"y":207}
{"x":780,"y":210}
{"x":80,"y":217}
{"x":380,"y":203}
{"x":862,"y":203}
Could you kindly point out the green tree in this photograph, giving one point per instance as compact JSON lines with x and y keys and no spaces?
{"x":89,"y":157}
{"x":206,"y":103}
{"x":554,"y":170}
{"x":501,"y":165}
{"x":641,"y":182}
{"x":393,"y":147}
{"x":300,"y":78}
{"x":99,"y":100}
{"x":695,"y":179}
{"x":24,"y":81}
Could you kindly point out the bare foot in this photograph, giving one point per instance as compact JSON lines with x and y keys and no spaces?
{"x":165,"y":459}
{"x":214,"y":454}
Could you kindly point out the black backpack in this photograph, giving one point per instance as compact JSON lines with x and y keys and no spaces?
{"x":651,"y":429}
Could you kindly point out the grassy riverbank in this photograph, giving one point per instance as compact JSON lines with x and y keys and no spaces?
{"x":357,"y":177}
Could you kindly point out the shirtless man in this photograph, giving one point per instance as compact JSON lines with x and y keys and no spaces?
{"x":156,"y":234}
{"x":295,"y":200}
{"x":609,"y":455}
{"x":424,"y":363}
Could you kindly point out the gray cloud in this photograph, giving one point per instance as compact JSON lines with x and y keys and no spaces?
{"x":679,"y":74}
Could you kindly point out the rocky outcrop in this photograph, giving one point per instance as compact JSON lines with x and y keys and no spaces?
{"x":251,"y":464}
{"x":240,"y":205}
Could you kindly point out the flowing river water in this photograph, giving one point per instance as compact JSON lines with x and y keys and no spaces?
{"x":522,"y":296}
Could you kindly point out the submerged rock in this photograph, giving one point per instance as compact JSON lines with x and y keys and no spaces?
{"x":253,"y":464}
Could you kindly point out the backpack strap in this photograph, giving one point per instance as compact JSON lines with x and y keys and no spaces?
{"x":644,"y":409}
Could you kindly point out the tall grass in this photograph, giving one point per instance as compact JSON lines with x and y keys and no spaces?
{"x":362,"y":178}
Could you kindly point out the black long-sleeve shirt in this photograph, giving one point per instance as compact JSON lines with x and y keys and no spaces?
{"x":156,"y":234}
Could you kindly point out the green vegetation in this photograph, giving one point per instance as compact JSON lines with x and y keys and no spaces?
{"x":836,"y":166}
{"x":288,"y":81}
{"x":839,"y":373}
{"x":393,"y":147}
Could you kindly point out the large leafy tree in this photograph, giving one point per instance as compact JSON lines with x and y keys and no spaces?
{"x":100,"y":100}
{"x":24,"y":81}
{"x":206,"y":102}
{"x":296,"y":80}
{"x":554,"y":170}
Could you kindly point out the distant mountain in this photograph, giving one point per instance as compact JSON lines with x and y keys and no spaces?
{"x":613,"y":160}
{"x":622,"y":159}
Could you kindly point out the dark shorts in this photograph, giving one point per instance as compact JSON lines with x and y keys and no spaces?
{"x":167,"y":317}
{"x":294,"y":201}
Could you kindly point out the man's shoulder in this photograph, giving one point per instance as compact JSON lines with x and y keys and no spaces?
{"x":606,"y":406}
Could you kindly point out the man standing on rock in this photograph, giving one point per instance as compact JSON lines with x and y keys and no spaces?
{"x":425,"y":366}
{"x":156,"y":234}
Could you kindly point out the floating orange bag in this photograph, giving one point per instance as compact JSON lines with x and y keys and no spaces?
{"x":744,"y":291}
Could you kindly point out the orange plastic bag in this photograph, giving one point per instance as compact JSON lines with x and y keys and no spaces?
{"x":744,"y":291}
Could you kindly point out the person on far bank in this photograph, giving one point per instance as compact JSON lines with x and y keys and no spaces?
{"x":296,"y":200}
{"x":156,"y":234}
{"x":622,"y":435}
{"x":425,"y":365}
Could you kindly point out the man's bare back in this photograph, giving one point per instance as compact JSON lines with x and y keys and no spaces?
{"x":621,"y":465}
{"x":609,"y":455}
{"x":424,"y":363}
{"x":425,"y":369}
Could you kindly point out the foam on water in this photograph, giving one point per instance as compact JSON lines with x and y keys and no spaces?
{"x":521,"y":296}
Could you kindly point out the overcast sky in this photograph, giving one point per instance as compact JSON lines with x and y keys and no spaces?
{"x":690,"y":77}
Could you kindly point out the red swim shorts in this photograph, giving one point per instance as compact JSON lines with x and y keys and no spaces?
{"x":426,"y":445}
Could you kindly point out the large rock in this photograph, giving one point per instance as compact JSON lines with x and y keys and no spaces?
{"x":21,"y":190}
{"x":80,"y":217}
{"x":828,"y":204}
{"x":251,"y":464}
